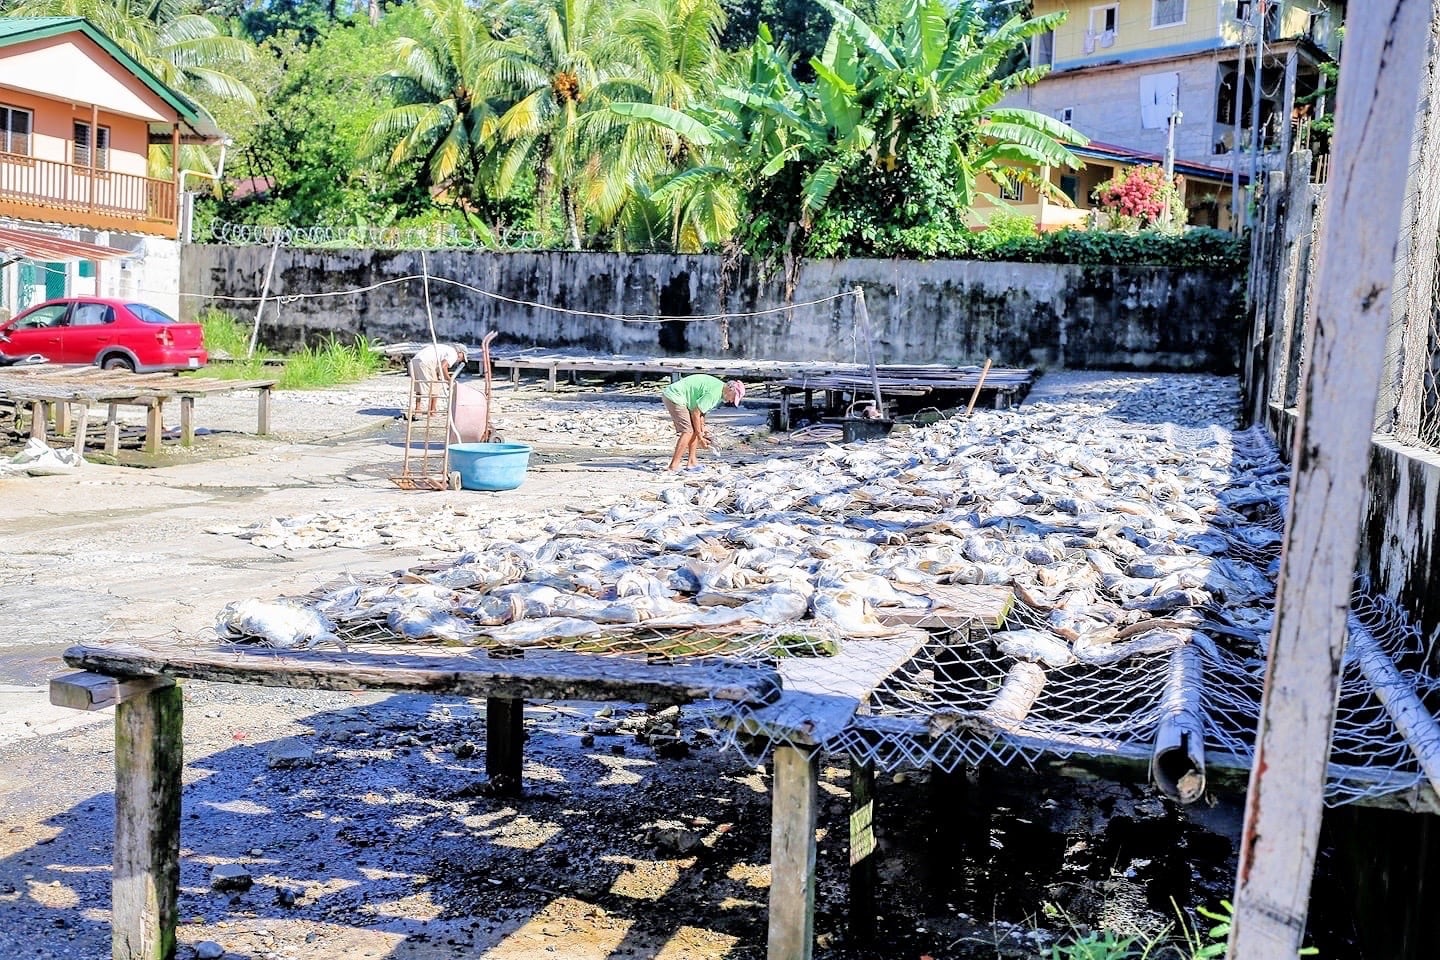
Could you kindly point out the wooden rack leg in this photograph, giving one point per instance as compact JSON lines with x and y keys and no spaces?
{"x":112,"y":429}
{"x":154,"y":427}
{"x":262,"y":425}
{"x":82,"y":423}
{"x":187,"y":421}
{"x":146,"y":882}
{"x":862,"y":851}
{"x":62,"y":419}
{"x":38,"y":416}
{"x":792,"y":854}
{"x":550,"y":381}
{"x":504,"y":743}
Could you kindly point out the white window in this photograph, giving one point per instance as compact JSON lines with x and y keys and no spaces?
{"x":82,"y":147}
{"x":1105,"y":19}
{"x":1014,"y":191}
{"x":1065,"y":114}
{"x":1242,"y":9}
{"x":1042,"y":53}
{"x":1104,"y":23}
{"x":15,"y":130}
{"x":1168,"y":13}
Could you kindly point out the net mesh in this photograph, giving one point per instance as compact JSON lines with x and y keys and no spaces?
{"x":1067,"y":580}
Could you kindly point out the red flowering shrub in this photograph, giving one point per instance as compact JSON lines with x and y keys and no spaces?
{"x":1139,"y":197}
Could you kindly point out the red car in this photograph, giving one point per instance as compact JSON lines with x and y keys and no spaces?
{"x":114,"y":334}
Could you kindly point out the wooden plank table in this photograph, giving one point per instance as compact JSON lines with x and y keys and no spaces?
{"x":46,"y":387}
{"x":140,"y":683}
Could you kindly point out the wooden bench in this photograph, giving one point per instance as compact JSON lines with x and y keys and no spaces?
{"x":140,"y":683}
{"x":802,"y":706}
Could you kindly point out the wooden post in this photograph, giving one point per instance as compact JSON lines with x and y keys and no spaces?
{"x":1385,"y":55}
{"x":1294,"y":277}
{"x":792,"y":854}
{"x":62,"y":418}
{"x":262,"y":424}
{"x":869,"y":348}
{"x":112,"y":429}
{"x":975,"y":395}
{"x":82,"y":423}
{"x":187,"y":421}
{"x":154,"y":426}
{"x":862,"y":851}
{"x":146,"y":882}
{"x":264,"y":293}
{"x":504,"y":744}
{"x":1402,"y":395}
{"x":39,"y":416}
{"x":1287,"y":110}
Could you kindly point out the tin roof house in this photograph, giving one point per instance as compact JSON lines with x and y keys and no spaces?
{"x":81,"y":211}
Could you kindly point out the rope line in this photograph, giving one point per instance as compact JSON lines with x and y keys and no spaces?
{"x":622,"y":317}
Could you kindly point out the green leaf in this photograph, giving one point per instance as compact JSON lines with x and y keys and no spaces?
{"x":862,"y":32}
{"x":681,"y":123}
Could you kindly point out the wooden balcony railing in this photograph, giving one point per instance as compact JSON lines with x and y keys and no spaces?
{"x":78,"y":196}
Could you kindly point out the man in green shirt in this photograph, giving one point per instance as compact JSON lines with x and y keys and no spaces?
{"x":688,"y":400}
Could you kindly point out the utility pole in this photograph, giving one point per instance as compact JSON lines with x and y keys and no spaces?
{"x":1171,"y":122}
{"x":1255,"y":101}
{"x":1239,"y":125}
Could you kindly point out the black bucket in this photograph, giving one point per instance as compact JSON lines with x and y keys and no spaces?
{"x":856,"y":429}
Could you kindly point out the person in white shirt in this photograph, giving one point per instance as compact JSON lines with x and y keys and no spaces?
{"x":429,"y":368}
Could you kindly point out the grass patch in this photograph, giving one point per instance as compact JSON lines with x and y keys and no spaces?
{"x":326,"y":365}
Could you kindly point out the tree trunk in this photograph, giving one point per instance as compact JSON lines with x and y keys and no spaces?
{"x":572,"y":219}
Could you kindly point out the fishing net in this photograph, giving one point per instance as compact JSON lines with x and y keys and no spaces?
{"x":1070,"y":581}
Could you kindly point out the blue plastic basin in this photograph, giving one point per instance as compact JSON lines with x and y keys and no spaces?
{"x":490,"y":466}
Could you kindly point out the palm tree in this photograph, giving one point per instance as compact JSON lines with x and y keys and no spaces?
{"x":170,"y":38}
{"x":449,"y":87}
{"x":557,"y":92}
{"x":672,"y":60}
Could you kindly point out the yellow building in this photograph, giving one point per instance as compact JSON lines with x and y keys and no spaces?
{"x":1121,"y":70}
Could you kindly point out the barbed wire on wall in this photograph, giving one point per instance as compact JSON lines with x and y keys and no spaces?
{"x":431,"y":237}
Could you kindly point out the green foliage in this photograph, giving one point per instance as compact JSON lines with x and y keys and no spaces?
{"x":307,"y":140}
{"x":880,"y":155}
{"x":1101,"y":945}
{"x":1196,"y":247}
{"x":331,"y":363}
{"x":325,"y":365}
{"x":224,"y":336}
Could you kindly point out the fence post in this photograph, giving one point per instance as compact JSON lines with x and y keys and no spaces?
{"x":1292,"y":273}
{"x":1402,"y":400}
{"x":1385,"y":54}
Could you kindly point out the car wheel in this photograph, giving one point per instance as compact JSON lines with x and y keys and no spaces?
{"x":118,"y":363}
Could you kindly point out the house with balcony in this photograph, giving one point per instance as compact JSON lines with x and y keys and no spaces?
{"x":81,"y":207}
{"x":1138,"y":75}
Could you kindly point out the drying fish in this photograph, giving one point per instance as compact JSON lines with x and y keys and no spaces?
{"x":1037,"y":646}
{"x":276,"y":624}
{"x":415,"y":622}
{"x":1103,"y":649}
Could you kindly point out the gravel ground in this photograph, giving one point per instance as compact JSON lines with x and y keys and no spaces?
{"x":363,"y":822}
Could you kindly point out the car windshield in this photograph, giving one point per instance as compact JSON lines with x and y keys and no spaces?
{"x":148,"y":313}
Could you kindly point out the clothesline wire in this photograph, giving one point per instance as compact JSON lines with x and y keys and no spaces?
{"x":624,"y":318}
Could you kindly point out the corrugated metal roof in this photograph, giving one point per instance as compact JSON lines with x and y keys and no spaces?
{"x":1111,"y":151}
{"x":47,"y":247}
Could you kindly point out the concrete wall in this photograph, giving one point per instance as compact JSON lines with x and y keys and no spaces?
{"x":1019,"y":314}
{"x":1399,"y":549}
